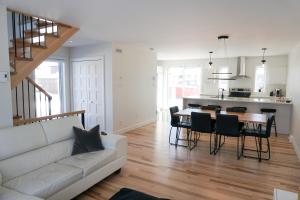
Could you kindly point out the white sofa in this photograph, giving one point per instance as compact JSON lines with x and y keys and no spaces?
{"x":36,"y":161}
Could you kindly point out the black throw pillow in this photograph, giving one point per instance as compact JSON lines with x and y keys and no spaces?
{"x":87,"y":141}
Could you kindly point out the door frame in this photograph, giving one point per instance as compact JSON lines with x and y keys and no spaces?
{"x":82,"y":59}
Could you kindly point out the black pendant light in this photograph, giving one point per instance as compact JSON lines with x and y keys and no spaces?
{"x":263,"y":61}
{"x":210,"y":61}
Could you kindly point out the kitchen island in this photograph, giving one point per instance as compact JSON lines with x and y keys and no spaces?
{"x":283,"y":114}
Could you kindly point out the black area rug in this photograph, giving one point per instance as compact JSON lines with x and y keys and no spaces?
{"x":129,"y":194}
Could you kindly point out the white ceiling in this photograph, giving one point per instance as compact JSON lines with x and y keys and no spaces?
{"x":178,"y":29}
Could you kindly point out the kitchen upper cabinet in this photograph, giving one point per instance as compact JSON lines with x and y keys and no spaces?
{"x":276,"y":75}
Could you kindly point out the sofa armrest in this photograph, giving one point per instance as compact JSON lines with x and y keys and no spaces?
{"x":117,"y":142}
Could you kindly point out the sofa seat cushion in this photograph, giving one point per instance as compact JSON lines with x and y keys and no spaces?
{"x":45,"y":181}
{"x":91,"y":161}
{"x":7,"y":194}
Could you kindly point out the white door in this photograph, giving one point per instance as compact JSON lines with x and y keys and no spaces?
{"x":88,"y":91}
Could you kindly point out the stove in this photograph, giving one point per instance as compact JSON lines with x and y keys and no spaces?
{"x":240,"y":92}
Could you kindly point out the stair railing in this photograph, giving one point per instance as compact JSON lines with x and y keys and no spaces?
{"x":27,"y":31}
{"x":31,"y":100}
{"x":18,"y":122}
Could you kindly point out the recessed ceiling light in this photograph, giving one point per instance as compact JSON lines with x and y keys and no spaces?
{"x":70,"y":41}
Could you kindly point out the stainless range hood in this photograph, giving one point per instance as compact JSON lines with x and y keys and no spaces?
{"x":241,"y":69}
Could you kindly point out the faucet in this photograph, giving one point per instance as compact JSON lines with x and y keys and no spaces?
{"x":222,"y":96}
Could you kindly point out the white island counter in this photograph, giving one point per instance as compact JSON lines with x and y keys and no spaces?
{"x":283,"y":114}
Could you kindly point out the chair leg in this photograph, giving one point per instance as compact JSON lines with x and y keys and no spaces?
{"x":260,"y":148}
{"x":177,"y":136}
{"x":170,"y":134}
{"x":269,"y":148}
{"x":211,"y":151}
{"x":238,"y":148}
{"x":275,"y":127}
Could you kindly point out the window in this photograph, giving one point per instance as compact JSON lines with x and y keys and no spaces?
{"x":49,"y":75}
{"x":223,"y":83}
{"x":173,"y":83}
{"x":260,"y":79}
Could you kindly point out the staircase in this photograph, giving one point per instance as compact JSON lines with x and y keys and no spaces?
{"x":32,"y":40}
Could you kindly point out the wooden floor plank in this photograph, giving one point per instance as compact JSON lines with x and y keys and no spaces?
{"x":156,"y":168}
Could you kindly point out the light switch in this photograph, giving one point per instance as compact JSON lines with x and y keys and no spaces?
{"x":3,"y":77}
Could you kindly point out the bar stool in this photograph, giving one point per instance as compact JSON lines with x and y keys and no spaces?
{"x":194,"y":105}
{"x":270,"y":111}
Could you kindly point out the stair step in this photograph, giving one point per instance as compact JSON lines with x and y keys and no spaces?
{"x":13,"y":57}
{"x":35,"y":33}
{"x":27,"y":43}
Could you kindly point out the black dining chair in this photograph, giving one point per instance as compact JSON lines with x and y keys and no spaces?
{"x":178,"y":124}
{"x":202,"y":123}
{"x":228,"y":125}
{"x":238,"y":109}
{"x":270,"y":111}
{"x":260,"y":134}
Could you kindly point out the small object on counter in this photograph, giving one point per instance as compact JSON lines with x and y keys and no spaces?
{"x":288,"y":101}
{"x":271,"y":94}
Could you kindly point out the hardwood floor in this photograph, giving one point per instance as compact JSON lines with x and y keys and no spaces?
{"x":156,"y":168}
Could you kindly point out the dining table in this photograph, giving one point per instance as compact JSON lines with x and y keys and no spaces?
{"x":256,"y":119}
{"x":253,"y":118}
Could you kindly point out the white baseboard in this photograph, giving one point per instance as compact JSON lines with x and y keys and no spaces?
{"x":134,"y":126}
{"x":296,"y":148}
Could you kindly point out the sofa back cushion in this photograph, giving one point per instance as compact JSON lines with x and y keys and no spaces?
{"x":30,"y":161}
{"x":60,"y":129}
{"x":21,"y":139}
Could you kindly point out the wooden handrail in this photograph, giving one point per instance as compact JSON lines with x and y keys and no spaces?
{"x":18,"y":122}
{"x":39,"y":88}
{"x":36,"y":16}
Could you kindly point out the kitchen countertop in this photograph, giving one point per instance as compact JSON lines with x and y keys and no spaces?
{"x":271,"y":100}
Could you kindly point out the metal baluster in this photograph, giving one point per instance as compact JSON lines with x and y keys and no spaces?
{"x":52,"y":27}
{"x":28,"y":94}
{"x":17,"y":102}
{"x":23,"y":35}
{"x":39,"y":31}
{"x":23,"y":100}
{"x":14,"y":32}
{"x":46,"y":26}
{"x":31,"y":34}
{"x":34,"y":94}
{"x":49,"y":100}
{"x":45,"y":104}
{"x":40,"y":103}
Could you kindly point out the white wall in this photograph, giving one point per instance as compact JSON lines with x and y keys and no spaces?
{"x":130,"y":83}
{"x":6,"y":118}
{"x":294,"y":92}
{"x":96,"y":51}
{"x":134,"y":87}
{"x":276,"y":72}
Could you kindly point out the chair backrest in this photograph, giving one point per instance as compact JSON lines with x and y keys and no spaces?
{"x":174,"y":119}
{"x":211,"y":107}
{"x":227,"y":125}
{"x":194,"y":105}
{"x":201,"y":122}
{"x":236,"y":109}
{"x":269,"y":125}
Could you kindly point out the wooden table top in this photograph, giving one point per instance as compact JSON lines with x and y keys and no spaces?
{"x":243,"y":117}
